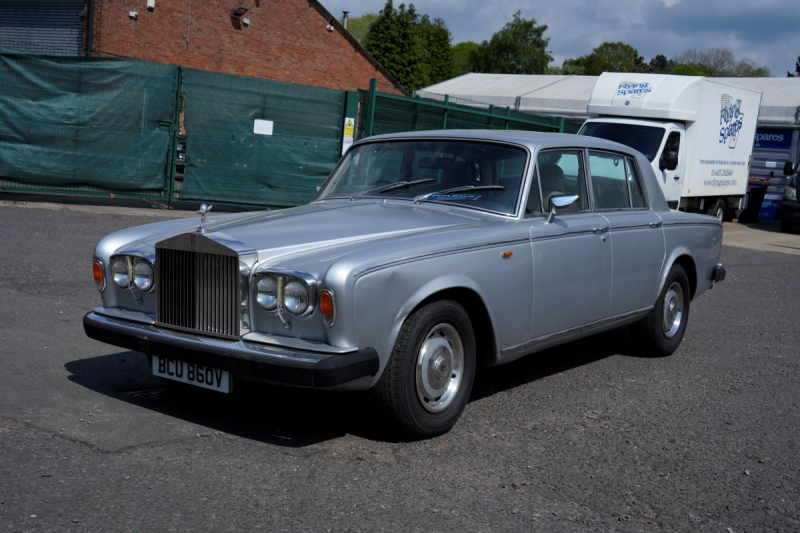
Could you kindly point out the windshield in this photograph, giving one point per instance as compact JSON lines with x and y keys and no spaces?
{"x":646,"y":139}
{"x":471,"y":174}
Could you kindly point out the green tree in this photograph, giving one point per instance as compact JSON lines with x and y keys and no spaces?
{"x":436,"y":39}
{"x":461,"y":53}
{"x":661,"y":65}
{"x":688,"y":69}
{"x":393,"y":42}
{"x":519,"y":48}
{"x":613,"y":57}
{"x":721,"y":63}
{"x":414,"y":49}
{"x":796,"y":69}
{"x":359,"y":26}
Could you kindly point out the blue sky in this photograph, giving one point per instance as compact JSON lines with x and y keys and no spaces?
{"x":766,"y":31}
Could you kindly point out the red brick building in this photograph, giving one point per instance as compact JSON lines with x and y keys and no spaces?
{"x":296,"y":41}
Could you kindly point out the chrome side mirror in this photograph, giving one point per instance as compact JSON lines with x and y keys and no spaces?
{"x":563,"y":203}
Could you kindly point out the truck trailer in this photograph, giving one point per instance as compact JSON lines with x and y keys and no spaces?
{"x":696,"y":132}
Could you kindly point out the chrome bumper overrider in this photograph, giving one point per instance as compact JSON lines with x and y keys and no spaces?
{"x":271,"y":363}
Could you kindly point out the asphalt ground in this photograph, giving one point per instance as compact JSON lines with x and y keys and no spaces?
{"x":590,"y":436}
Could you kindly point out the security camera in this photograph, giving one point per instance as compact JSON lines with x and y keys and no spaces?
{"x":134,"y":15}
{"x":330,"y":27}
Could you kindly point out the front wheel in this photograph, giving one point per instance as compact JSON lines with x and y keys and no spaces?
{"x":664,"y":326}
{"x":428,"y":378}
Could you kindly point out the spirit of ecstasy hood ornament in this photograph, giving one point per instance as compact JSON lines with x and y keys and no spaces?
{"x":204,"y":209}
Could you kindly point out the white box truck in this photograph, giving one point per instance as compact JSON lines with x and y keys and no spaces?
{"x":697,"y":133}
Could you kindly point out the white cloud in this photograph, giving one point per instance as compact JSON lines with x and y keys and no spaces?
{"x":767,"y":31}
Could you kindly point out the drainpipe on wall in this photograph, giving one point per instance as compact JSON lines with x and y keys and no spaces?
{"x":89,"y":27}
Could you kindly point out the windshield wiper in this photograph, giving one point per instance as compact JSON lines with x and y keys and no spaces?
{"x":454,"y":190}
{"x":391,"y":187}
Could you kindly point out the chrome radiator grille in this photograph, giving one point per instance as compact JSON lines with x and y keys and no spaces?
{"x":198,"y":291}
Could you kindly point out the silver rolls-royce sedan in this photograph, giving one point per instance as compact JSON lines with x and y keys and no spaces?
{"x":423,"y":257}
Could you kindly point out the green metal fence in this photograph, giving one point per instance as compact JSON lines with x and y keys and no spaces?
{"x":258,"y":142}
{"x":382,"y":112}
{"x":89,"y":127}
{"x":105,"y":127}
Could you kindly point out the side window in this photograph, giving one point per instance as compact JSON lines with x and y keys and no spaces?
{"x":673,"y":143}
{"x":637,"y":198}
{"x":609,"y":180}
{"x":534,"y":205}
{"x":561,"y":172}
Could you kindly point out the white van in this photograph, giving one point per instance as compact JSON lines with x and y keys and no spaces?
{"x":696,"y":132}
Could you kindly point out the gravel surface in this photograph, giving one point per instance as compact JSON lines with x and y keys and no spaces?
{"x":586,"y":437}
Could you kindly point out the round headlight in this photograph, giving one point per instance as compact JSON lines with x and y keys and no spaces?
{"x":295,"y":297}
{"x":143,"y":275}
{"x":119,"y":270}
{"x":267,"y":293}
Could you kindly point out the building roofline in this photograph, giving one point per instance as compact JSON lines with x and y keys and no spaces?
{"x":333,"y":21}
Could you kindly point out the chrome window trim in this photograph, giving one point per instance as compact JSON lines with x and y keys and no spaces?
{"x":582,"y":155}
{"x":635,"y":165}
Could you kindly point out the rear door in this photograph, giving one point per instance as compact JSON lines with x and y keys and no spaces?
{"x":636,"y":236}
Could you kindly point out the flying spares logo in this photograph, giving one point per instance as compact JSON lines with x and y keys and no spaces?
{"x":637,"y":90}
{"x":731,"y":119}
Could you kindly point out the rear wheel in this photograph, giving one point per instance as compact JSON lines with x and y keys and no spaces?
{"x":664,"y":326}
{"x":717,"y":209}
{"x":428,"y":378}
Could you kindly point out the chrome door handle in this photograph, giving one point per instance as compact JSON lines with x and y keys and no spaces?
{"x":655,"y":224}
{"x":677,"y":178}
{"x":598,"y":230}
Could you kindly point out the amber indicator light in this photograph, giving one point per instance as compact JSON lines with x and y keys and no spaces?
{"x":508,"y":254}
{"x":326,"y":303}
{"x":97,"y":272}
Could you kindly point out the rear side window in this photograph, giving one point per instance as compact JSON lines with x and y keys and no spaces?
{"x":637,"y":197}
{"x":615,"y":184}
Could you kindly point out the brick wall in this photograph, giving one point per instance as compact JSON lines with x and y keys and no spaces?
{"x":286,"y":40}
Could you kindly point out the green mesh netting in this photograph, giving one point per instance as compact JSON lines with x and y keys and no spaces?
{"x":395,"y":114}
{"x":227,"y":161}
{"x":77,"y":122}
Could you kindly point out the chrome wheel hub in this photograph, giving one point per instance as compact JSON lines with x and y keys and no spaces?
{"x":673,"y":309}
{"x":439,"y":371}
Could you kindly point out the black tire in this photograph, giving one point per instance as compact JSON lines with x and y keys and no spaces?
{"x":655,"y":336}
{"x":717,"y":210}
{"x":398,"y":386}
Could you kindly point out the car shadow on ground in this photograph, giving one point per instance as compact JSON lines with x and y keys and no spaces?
{"x":298,"y":418}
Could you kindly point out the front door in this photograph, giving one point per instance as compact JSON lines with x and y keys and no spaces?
{"x":571,"y":253}
{"x":672,"y":180}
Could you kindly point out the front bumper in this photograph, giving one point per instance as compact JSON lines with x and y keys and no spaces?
{"x":271,"y":363}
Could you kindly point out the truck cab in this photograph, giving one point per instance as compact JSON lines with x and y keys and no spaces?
{"x":696,"y":132}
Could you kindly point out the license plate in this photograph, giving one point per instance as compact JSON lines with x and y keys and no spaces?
{"x":198,"y":375}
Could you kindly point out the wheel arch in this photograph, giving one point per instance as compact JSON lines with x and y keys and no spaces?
{"x":687,"y":262}
{"x":473,"y":304}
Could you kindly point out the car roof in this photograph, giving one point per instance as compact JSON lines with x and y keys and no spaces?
{"x":530,"y":139}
